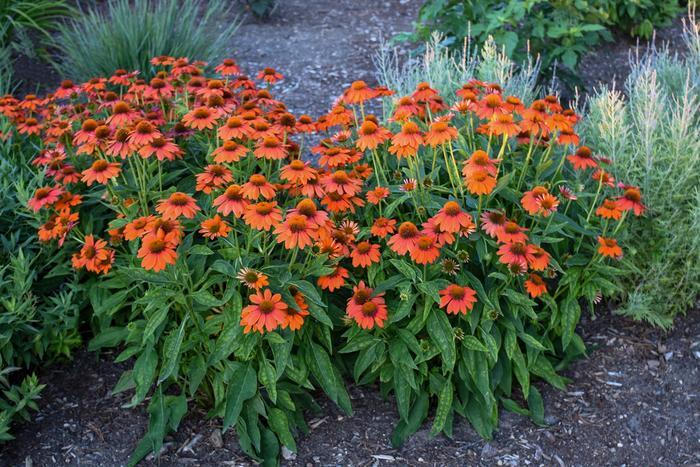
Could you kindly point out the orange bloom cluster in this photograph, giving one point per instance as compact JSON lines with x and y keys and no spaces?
{"x":221,"y":159}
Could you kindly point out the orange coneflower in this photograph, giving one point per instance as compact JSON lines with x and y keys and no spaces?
{"x":93,"y":256}
{"x":610,"y":209}
{"x":451,"y":218}
{"x":379,"y":193}
{"x":531,"y":199}
{"x":270,"y":75}
{"x":603,"y":177}
{"x":371,"y":135}
{"x":407,"y":141}
{"x":609,"y":247}
{"x":406,"y":107}
{"x":137,"y":228}
{"x":214,"y":228}
{"x":383,"y":227}
{"x":266,"y":312}
{"x":143,"y":133}
{"x":263,"y":215}
{"x":512,"y":233}
{"x":101,"y":171}
{"x":67,"y":200}
{"x":480,"y":161}
{"x":176,"y":205}
{"x":214,"y":176}
{"x":228,"y":67}
{"x":425,"y":250}
{"x":502,"y":124}
{"x":535,"y":285}
{"x":231,"y":201}
{"x":489,"y":105}
{"x":171,"y":229}
{"x":298,"y":171}
{"x":296,"y":232}
{"x":342,"y":183}
{"x":256,"y":186}
{"x":358,"y":92}
{"x":230,"y":151}
{"x":121,"y":145}
{"x":45,"y":196}
{"x":440,"y":133}
{"x":540,"y":259}
{"x":163,"y":148}
{"x":493,"y":223}
{"x":234,"y":127}
{"x":366,"y":308}
{"x":409,"y":184}
{"x":479,"y":182}
{"x":457,"y":299}
{"x":307,"y":208}
{"x":294,"y":319}
{"x":201,"y":118}
{"x":122,"y":115}
{"x":157,"y":252}
{"x":335,"y":280}
{"x":582,"y":159}
{"x":424,"y":92}
{"x":516,"y":253}
{"x":270,"y":148}
{"x":365,"y":254}
{"x":440,"y":236}
{"x":252,"y":279}
{"x":631,"y":199}
{"x":406,"y":238}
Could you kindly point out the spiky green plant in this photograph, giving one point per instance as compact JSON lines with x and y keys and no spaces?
{"x":447,"y":71}
{"x":652,"y":132}
{"x":127,"y":34}
{"x":20,"y":18}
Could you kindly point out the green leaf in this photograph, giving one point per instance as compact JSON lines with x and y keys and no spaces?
{"x":406,"y":269}
{"x":320,"y":364}
{"x":144,"y":373}
{"x":155,"y":320}
{"x":473,"y":343}
{"x":444,"y":407}
{"x":570,"y":314}
{"x":531,"y":341}
{"x":280,"y":425}
{"x":205,"y":298}
{"x":241,"y":387}
{"x":171,"y":349}
{"x":536,"y":405}
{"x":268,"y":377}
{"x":441,"y":334}
{"x":200,"y":250}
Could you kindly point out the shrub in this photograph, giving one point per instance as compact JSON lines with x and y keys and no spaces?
{"x":39,"y":303}
{"x":653,"y":135}
{"x":127,"y":34}
{"x":20,"y":19}
{"x":560,"y":32}
{"x":441,"y":253}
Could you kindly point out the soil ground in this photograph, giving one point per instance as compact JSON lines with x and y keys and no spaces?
{"x":634,"y":401}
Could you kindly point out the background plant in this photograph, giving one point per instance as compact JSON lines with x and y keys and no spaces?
{"x":559,"y":32}
{"x":39,"y":302}
{"x":652,"y":132}
{"x":21,"y":19}
{"x":127,"y":34}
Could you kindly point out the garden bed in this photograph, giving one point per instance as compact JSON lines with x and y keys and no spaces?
{"x":628,"y":403}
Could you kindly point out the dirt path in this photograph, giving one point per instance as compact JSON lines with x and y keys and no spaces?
{"x":635,"y":401}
